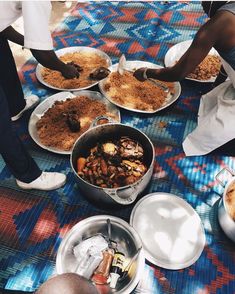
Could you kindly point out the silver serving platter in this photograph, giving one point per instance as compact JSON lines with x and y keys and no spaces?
{"x":133,"y":65}
{"x":171,"y":231}
{"x":63,"y":51}
{"x":62,"y":96}
{"x":177,"y":51}
{"x":128,"y":242}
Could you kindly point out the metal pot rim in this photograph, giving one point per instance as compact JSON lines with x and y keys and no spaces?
{"x":224,"y":197}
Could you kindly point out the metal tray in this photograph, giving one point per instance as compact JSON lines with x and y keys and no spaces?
{"x":133,"y":65}
{"x":63,"y":51}
{"x":61,"y":96}
{"x":178,"y":50}
{"x":170,"y":229}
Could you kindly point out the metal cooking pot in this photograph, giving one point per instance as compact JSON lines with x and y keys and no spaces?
{"x":225,"y":220}
{"x":123,"y":195}
{"x":126,"y":237}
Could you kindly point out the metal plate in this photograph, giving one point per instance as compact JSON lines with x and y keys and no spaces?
{"x":170,"y":229}
{"x":133,"y":65}
{"x":178,"y":50}
{"x":121,"y":232}
{"x":63,"y":51}
{"x":62,"y":96}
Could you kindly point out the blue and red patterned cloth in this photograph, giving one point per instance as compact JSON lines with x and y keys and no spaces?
{"x":33,"y":223}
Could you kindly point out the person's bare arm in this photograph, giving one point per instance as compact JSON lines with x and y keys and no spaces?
{"x":12,"y":35}
{"x":47,"y":58}
{"x":204,"y":40}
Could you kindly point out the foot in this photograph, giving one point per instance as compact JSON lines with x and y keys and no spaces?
{"x":31,"y":101}
{"x":46,"y":182}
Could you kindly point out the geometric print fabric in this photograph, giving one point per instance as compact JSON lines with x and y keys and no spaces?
{"x":32,"y":224}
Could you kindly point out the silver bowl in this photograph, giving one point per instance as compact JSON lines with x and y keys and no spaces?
{"x":128,"y":242}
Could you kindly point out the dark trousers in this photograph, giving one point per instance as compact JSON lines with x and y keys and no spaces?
{"x":16,"y":157}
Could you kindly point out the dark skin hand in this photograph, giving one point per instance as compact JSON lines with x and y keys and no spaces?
{"x":46,"y":58}
{"x":218,"y":32}
{"x":222,"y":76}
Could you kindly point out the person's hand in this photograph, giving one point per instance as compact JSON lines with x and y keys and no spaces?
{"x":70,"y":71}
{"x":140,"y":74}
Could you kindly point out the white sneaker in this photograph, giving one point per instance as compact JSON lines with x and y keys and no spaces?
{"x":31,"y":101}
{"x":46,"y":182}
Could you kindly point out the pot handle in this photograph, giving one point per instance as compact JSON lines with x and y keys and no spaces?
{"x":231,"y":172}
{"x":96,"y":120}
{"x":124,"y":201}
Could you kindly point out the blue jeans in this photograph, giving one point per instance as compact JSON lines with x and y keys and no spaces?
{"x":12,"y":101}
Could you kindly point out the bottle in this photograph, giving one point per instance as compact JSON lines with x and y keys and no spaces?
{"x":101,"y":274}
{"x":116,"y":268}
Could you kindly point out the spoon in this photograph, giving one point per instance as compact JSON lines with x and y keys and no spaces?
{"x":112,"y":243}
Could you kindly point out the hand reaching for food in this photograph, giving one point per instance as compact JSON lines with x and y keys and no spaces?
{"x":140,"y":74}
{"x":71,"y":71}
{"x":99,"y":73}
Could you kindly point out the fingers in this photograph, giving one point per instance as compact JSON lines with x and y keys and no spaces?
{"x":70,"y":71}
{"x":140,"y":74}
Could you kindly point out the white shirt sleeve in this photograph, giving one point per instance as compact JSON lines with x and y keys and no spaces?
{"x":36,"y":15}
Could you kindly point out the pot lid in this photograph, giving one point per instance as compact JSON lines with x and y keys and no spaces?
{"x":170,"y":229}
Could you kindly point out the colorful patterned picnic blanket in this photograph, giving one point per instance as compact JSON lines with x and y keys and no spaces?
{"x":33,"y":223}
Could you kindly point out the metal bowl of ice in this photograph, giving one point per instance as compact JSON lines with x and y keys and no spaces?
{"x":128,"y":242}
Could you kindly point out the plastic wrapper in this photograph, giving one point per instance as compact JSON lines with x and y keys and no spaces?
{"x":89,"y":263}
{"x":89,"y":255}
{"x":97,"y":242}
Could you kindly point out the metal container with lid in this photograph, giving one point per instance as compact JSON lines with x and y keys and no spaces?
{"x":128,"y":241}
{"x":225,"y":220}
{"x":124,"y":195}
{"x":163,"y":228}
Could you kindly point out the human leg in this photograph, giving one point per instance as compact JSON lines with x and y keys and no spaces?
{"x":23,"y":167}
{"x":10,"y":82}
{"x":9,"y":79}
{"x":18,"y":160}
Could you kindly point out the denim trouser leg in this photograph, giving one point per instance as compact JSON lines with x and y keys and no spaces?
{"x":9,"y":79}
{"x":16,"y":157}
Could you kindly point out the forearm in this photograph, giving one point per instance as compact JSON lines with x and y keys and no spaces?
{"x":168,"y":74}
{"x":200,"y":47}
{"x":12,"y":35}
{"x":49,"y":59}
